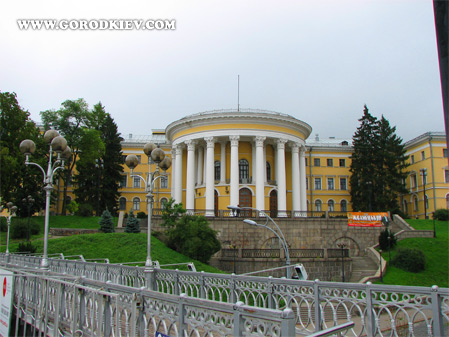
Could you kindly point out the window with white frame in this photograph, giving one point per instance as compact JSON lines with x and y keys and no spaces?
{"x":343,"y":184}
{"x":342,"y":163}
{"x":344,"y":206}
{"x":413,"y":181}
{"x":316,"y":162}
{"x":415,"y":203}
{"x":423,"y":155}
{"x":446,"y":176}
{"x":123,"y":180}
{"x":136,"y":182}
{"x":217,"y":170}
{"x":330,"y":162}
{"x":318,"y":205}
{"x":122,"y":203}
{"x":330,"y":184}
{"x":164,"y":182}
{"x":136,"y":204}
{"x":331,"y":206}
{"x":317,"y":183}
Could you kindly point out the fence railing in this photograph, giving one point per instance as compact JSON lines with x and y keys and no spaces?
{"x":279,"y":253}
{"x":374,"y":309}
{"x":47,"y":305}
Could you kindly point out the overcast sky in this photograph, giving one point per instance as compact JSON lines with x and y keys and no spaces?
{"x":317,"y":60}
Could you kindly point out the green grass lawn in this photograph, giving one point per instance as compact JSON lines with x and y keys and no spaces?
{"x":436,"y":251}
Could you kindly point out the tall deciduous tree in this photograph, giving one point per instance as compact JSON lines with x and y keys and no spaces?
{"x":16,"y":180}
{"x":72,"y":121}
{"x":378,"y":165}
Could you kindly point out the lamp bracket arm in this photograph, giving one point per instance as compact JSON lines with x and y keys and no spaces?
{"x":35,"y":164}
{"x":142,"y":178}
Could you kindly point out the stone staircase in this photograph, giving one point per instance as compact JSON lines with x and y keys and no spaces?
{"x":362,"y":266}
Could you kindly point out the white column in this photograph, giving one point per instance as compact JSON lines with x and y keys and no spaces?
{"x":253,"y":161}
{"x":178,"y":180}
{"x":302,"y":180}
{"x":265,"y":163}
{"x":282,"y":190}
{"x":173,"y":172}
{"x":190,"y":181}
{"x":234,"y":194}
{"x":210,"y":176}
{"x":260,"y":181}
{"x":199,"y":166}
{"x":296,"y":195}
{"x":223,"y":163}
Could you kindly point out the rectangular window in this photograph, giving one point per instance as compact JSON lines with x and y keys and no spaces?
{"x":342,"y":163}
{"x":139,"y":158}
{"x":330,"y":183}
{"x":343,"y":184}
{"x":446,"y":176}
{"x":307,"y":183}
{"x":123,"y":180}
{"x":123,"y":158}
{"x":136,"y":182}
{"x":164,"y":182}
{"x":445,"y":153}
{"x":307,"y":162}
{"x":317,"y":183}
{"x":423,"y":156}
{"x":330,"y":162}
{"x":316,"y":162}
{"x":412,"y":159}
{"x":413,"y":181}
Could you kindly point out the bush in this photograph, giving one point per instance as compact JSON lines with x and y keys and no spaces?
{"x":383,"y":239}
{"x":141,"y":215}
{"x":106,"y":223}
{"x":410,"y":259}
{"x":441,"y":214}
{"x":193,"y":237}
{"x":132,"y":224}
{"x":26,"y":247}
{"x":19,"y":229}
{"x":3,"y":225}
{"x":85,"y":210}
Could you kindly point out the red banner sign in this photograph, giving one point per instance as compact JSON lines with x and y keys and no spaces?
{"x":362,"y":219}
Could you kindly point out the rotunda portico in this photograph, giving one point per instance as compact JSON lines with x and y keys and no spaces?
{"x":252,"y":158}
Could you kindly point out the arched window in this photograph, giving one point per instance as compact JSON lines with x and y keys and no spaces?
{"x":122,"y":204}
{"x":344,"y":206}
{"x":331,"y":206}
{"x":217,"y":166}
{"x":318,"y":205}
{"x":268,"y":171}
{"x":405,"y":207}
{"x":244,"y":171}
{"x":447,"y":201}
{"x":163,"y":202}
{"x":136,"y":204}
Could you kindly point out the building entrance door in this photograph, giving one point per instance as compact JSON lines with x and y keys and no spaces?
{"x":216,"y":202}
{"x":273,"y":204}
{"x":245,"y":200}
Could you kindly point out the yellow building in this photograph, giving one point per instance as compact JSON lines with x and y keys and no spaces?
{"x":266,"y":160}
{"x":428,"y":175}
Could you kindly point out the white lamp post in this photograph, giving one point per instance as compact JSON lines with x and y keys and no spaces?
{"x":158,"y":156}
{"x":11,"y":212}
{"x":57,"y":144}
{"x":277,"y":231}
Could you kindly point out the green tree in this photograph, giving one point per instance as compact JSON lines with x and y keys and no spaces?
{"x":106,"y":223}
{"x":17,"y":181}
{"x":99,"y":175}
{"x":132,"y":224}
{"x":378,"y":166}
{"x":73,"y":121}
{"x":171,"y":213}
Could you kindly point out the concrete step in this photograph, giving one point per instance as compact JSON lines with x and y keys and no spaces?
{"x":362,"y":267}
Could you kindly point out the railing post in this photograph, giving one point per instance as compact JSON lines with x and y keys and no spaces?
{"x":176,"y":285}
{"x":181,"y":315}
{"x":238,"y":320}
{"x":59,"y":310}
{"x":271,"y":302}
{"x":288,"y":323}
{"x":370,"y":323}
{"x":317,"y":300}
{"x":437,"y":326}
{"x":202,"y":286}
{"x":233,"y":298}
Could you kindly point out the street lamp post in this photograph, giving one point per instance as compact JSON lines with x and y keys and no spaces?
{"x":380,"y":264}
{"x":57,"y":144}
{"x":158,"y":156}
{"x":424,"y":182}
{"x":342,"y":246}
{"x":276,"y":232}
{"x":11,"y":212}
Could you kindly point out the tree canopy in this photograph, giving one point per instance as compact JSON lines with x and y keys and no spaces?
{"x":378,"y":165}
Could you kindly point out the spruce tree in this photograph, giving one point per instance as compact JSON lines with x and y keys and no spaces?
{"x":378,"y":166}
{"x":132,"y":224}
{"x":106,"y":223}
